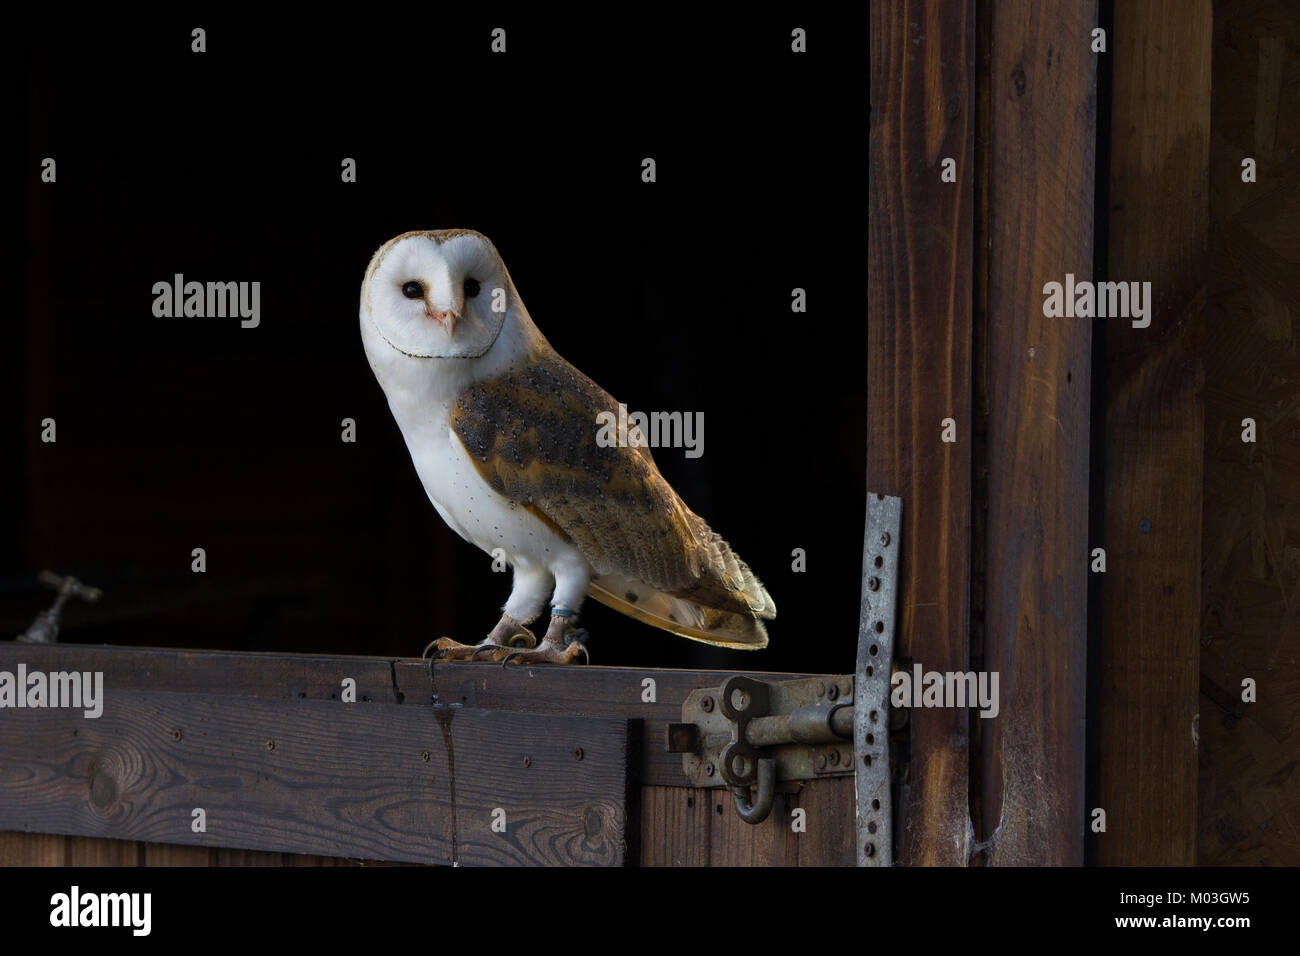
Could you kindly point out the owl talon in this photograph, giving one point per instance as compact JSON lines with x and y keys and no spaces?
{"x":489,"y":651}
{"x":446,"y":649}
{"x":549,"y":653}
{"x":433,"y":649}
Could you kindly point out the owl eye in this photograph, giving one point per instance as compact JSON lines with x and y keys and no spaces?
{"x":471,"y":288}
{"x":413,"y":290}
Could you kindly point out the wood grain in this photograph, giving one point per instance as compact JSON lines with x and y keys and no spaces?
{"x":1151,"y":595}
{"x":248,"y":674}
{"x":1041,"y":140}
{"x":919,"y":363}
{"x":166,"y":854}
{"x":829,"y":805}
{"x":678,"y":825}
{"x":594,"y":691}
{"x":368,"y":781}
{"x":31,"y":849}
{"x":685,"y":827}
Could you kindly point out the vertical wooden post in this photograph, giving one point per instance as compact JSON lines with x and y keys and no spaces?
{"x":1152,"y":591}
{"x":1041,"y":141}
{"x":918,"y":375}
{"x":1250,"y":566}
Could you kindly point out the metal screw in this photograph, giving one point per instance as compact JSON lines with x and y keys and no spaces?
{"x":884,"y":539}
{"x":706,"y":705}
{"x":870,"y":850}
{"x":832,"y":691}
{"x":425,"y":756}
{"x":835,"y":758}
{"x":270,"y":745}
{"x":577,"y":753}
{"x":874,"y":584}
{"x":708,"y":770}
{"x":821,"y":762}
{"x":528,"y":761}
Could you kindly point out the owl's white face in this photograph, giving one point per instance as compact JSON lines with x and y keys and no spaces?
{"x":430,"y":294}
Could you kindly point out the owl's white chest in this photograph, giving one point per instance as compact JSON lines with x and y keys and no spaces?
{"x":469,"y":505}
{"x":421,"y":404}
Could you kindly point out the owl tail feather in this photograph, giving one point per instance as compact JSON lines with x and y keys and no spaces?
{"x":683,"y":616}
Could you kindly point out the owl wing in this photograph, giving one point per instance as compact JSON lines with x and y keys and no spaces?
{"x":532,"y":436}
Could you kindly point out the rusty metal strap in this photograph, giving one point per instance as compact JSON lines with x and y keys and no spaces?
{"x":880,"y":557}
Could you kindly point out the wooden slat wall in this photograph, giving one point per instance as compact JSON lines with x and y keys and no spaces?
{"x":1040,"y":130}
{"x":1151,"y":595}
{"x":1249,"y":793}
{"x":919,"y":364}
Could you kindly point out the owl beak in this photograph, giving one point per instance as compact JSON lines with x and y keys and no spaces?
{"x":446,"y":319}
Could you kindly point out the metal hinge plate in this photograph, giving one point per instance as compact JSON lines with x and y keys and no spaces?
{"x":879,"y":613}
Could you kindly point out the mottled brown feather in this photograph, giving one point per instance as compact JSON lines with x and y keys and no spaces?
{"x":532,"y":437}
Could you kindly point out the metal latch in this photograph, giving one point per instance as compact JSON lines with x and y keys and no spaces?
{"x":750,"y":732}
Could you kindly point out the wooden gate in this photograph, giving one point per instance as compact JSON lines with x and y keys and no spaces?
{"x":203,"y":756}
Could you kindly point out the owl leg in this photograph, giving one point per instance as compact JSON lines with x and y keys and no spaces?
{"x":560,"y":644}
{"x":527,"y":598}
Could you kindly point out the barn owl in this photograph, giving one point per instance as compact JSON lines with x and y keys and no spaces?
{"x":503,"y":435}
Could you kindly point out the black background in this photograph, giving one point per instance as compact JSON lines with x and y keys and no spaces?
{"x":225,"y":166}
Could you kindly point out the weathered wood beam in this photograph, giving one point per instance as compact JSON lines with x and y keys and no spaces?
{"x":919,"y":375}
{"x":1040,"y":133}
{"x":405,"y":691}
{"x":1151,"y":603}
{"x":376,"y":781}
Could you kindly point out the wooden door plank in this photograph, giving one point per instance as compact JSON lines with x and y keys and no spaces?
{"x":593,"y":691}
{"x":920,"y":258}
{"x":168,"y":854}
{"x":829,"y":805}
{"x":1041,"y":138}
{"x":1248,"y":800}
{"x":383,"y":781}
{"x":676,"y":826}
{"x":87,"y":851}
{"x":1151,"y":594}
{"x":733,"y":842}
{"x":32,"y":849}
{"x":247,"y":674}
